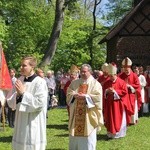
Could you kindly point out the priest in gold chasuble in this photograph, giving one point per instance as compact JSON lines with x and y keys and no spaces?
{"x":84,"y":97}
{"x":80,"y":112}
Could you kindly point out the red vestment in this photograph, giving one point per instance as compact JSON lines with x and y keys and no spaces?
{"x":65,"y":91}
{"x":66,"y":86}
{"x":133,"y":80}
{"x":114,"y":108}
{"x":102,"y":79}
{"x":147,"y":76}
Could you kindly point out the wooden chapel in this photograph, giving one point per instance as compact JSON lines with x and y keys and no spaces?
{"x":131,"y":36}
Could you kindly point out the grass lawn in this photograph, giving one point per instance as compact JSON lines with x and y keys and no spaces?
{"x":138,"y":136}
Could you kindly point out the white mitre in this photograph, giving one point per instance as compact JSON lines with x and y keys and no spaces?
{"x":104,"y":67}
{"x":112,"y":69}
{"x":126,"y":63}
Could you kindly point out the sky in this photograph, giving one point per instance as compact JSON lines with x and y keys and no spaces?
{"x":102,"y":4}
{"x":103,"y":9}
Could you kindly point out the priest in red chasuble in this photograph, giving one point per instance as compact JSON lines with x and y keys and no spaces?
{"x":103,"y":78}
{"x":74,"y":74}
{"x":84,"y":97}
{"x":116,"y":104}
{"x":134,"y":88}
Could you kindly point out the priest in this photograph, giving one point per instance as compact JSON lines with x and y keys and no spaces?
{"x":134,"y":89}
{"x":84,"y":97}
{"x":31,"y":108}
{"x":116,"y":104}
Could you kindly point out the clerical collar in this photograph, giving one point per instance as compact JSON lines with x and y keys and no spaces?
{"x":86,"y":81}
{"x":30,"y":78}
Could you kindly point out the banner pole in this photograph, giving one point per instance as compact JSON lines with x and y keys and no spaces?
{"x":3,"y":116}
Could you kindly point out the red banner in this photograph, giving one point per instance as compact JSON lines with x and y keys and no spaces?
{"x":5,"y":79}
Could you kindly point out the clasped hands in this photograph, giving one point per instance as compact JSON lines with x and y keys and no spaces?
{"x":20,"y":88}
{"x":129,"y":86}
{"x":79,"y":96}
{"x":110,"y":90}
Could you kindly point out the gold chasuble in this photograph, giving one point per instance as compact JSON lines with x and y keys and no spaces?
{"x":80,"y":112}
{"x":83,"y":119}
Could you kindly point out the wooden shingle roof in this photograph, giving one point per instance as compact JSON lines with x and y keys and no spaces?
{"x":114,"y":31}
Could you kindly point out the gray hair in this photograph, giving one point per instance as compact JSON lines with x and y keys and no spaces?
{"x":88,"y":66}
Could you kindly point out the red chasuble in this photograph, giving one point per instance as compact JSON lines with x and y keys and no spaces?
{"x":65,"y":91}
{"x":66,"y":86}
{"x":114,"y":108}
{"x":147,"y":76}
{"x":80,"y":112}
{"x":102,"y":79}
{"x":133,"y":80}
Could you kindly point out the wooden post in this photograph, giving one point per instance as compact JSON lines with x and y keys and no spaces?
{"x":3,"y":117}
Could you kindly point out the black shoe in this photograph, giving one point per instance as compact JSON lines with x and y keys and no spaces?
{"x":109,"y":138}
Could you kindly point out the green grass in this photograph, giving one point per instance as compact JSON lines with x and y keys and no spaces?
{"x":137,"y":138}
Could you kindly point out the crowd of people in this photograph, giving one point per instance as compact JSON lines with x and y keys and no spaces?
{"x":113,"y":97}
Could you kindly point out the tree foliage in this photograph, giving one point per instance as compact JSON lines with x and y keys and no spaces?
{"x":26,"y":27}
{"x":75,"y":38}
{"x":116,"y":10}
{"x":29,"y":24}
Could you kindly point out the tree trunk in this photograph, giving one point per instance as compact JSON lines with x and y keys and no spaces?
{"x":54,"y":37}
{"x":91,"y":38}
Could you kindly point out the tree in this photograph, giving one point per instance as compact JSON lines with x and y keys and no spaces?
{"x":57,"y":28}
{"x":3,"y":27}
{"x":73,"y":45}
{"x":29,"y":24}
{"x":116,"y":10}
{"x":54,"y":37}
{"x":93,"y":33}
